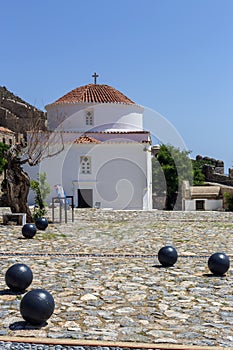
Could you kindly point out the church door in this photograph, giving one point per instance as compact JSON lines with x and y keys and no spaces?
{"x":85,"y":198}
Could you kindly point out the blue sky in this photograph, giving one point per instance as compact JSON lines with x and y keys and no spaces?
{"x":173,"y":56}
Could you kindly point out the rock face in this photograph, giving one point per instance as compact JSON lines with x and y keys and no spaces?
{"x":17,"y":114}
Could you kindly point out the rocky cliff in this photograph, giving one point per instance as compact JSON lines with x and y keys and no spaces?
{"x":19,"y":115}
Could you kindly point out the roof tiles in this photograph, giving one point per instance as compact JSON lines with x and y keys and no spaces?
{"x":95,"y":93}
{"x":3,"y":129}
{"x":86,"y":139}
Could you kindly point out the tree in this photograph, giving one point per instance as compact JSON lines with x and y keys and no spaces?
{"x":16,"y":184}
{"x":176,"y":167}
{"x":45,"y":188}
{"x":229,"y":201}
{"x":3,"y":161}
{"x":198,"y":175}
{"x":42,"y":190}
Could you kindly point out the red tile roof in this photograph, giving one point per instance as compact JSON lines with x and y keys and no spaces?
{"x":86,"y":139}
{"x":137,"y":137}
{"x":95,"y":93}
{"x":2,"y":129}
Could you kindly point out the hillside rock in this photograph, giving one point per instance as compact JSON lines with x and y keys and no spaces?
{"x":18,"y":115}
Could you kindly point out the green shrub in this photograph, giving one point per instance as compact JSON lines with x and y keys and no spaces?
{"x":41,"y":189}
{"x":229,"y":201}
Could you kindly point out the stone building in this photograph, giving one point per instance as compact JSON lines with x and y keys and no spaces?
{"x":208,"y":197}
{"x":7,"y":136}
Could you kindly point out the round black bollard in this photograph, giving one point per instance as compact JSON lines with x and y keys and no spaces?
{"x":167,"y":256}
{"x":41,"y":224}
{"x":18,"y":277}
{"x":218,"y":263}
{"x":29,"y":230}
{"x":37,"y":306}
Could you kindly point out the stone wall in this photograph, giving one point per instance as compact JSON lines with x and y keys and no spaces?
{"x":212,"y":176}
{"x":18,"y":115}
{"x":8,"y":119}
{"x":226,"y":190}
{"x":158,"y":202}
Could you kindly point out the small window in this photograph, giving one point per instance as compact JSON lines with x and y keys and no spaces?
{"x":89,"y":117}
{"x":10,"y":142}
{"x":3,"y":140}
{"x":85,"y":165}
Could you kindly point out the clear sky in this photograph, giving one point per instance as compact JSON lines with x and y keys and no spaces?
{"x":173,"y":56}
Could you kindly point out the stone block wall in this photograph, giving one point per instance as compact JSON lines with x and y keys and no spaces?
{"x":212,"y":176}
{"x":18,"y":115}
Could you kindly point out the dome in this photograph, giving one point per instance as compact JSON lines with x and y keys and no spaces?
{"x":95,"y":93}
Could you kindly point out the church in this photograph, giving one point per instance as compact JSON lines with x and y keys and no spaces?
{"x":106,"y":159}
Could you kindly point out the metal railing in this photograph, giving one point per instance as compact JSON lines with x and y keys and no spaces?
{"x":63,"y":204}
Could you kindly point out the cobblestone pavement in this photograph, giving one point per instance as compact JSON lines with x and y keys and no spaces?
{"x":112,"y":287}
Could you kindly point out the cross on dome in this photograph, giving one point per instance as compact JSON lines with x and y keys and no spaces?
{"x":95,"y":76}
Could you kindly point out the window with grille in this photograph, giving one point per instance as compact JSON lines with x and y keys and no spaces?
{"x":89,"y":117}
{"x":85,"y":165}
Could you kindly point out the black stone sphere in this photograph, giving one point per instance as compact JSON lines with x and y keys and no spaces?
{"x":18,"y":277}
{"x":41,"y":224}
{"x":167,"y":256}
{"x":29,"y":230}
{"x":218,"y":263}
{"x":37,"y":306}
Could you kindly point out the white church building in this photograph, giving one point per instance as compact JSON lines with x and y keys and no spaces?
{"x":106,"y":160}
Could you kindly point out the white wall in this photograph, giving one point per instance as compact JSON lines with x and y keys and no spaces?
{"x":119,"y":177}
{"x":107,"y":116}
{"x":214,"y":204}
{"x":210,"y":204}
{"x":33,"y":172}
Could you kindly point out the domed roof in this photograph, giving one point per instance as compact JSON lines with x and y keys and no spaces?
{"x":96,"y":93}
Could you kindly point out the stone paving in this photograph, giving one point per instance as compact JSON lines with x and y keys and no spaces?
{"x":124,"y":294}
